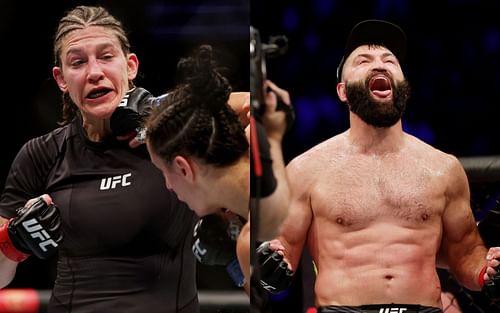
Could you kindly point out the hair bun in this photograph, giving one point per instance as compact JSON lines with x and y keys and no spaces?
{"x":199,"y":75}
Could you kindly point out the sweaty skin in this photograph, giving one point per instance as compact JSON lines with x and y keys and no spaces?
{"x":374,"y":221}
{"x":379,"y":209}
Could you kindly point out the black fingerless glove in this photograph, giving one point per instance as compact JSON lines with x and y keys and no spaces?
{"x":211,"y":243}
{"x":130,"y":114}
{"x":491,"y":288}
{"x":275,"y":276}
{"x":214,"y":243}
{"x":35,"y":230}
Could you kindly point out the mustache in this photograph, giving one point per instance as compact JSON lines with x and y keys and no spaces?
{"x":362,"y":104}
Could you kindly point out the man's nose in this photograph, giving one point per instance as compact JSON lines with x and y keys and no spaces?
{"x":378,"y":63}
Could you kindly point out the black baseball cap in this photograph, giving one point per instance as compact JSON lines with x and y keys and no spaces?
{"x":375,"y":32}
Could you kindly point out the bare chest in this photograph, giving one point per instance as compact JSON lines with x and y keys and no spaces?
{"x":358,"y":194}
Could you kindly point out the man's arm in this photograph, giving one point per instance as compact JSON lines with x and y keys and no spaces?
{"x":293,"y":232}
{"x":273,"y":208}
{"x":462,"y":249}
{"x":279,"y":258}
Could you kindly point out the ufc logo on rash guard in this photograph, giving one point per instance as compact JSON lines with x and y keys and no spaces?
{"x":115,"y":181}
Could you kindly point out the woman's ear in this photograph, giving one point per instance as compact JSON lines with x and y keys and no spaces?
{"x":59,"y":78}
{"x":184,"y":168}
{"x":132,"y":66}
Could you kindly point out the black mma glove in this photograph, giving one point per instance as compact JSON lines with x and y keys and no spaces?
{"x":130,"y":114}
{"x":490,"y":288}
{"x":211,"y":242}
{"x":35,"y":230}
{"x":275,"y":276}
{"x":214,"y":243}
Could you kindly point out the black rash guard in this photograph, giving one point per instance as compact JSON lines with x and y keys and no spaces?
{"x":127,"y":239}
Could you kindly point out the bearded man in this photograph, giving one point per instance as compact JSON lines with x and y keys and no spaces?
{"x":378,"y":208}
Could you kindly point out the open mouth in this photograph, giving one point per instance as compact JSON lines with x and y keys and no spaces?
{"x":380,"y":86}
{"x":94,"y":94}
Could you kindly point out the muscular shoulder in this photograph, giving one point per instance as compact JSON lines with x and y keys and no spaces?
{"x":313,"y":159}
{"x":308,"y":166}
{"x":445,"y":164}
{"x":427,"y":152}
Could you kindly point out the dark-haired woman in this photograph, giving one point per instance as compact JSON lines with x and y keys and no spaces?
{"x":198,"y":142}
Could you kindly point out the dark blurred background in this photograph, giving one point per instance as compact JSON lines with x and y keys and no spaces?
{"x":452,"y":65}
{"x":160,"y":33}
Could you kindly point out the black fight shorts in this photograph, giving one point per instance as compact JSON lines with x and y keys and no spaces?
{"x":379,"y":308}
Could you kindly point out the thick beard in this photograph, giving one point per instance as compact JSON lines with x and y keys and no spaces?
{"x":373,"y":112}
